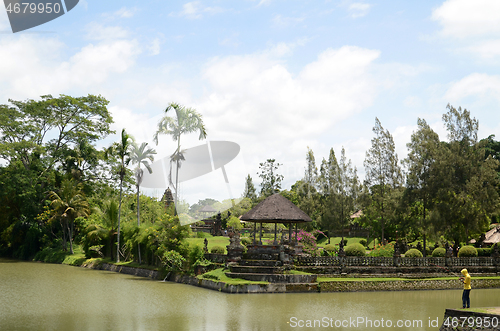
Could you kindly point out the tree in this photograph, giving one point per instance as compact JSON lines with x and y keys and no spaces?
{"x":121,"y":151}
{"x":423,"y":152}
{"x":468,"y":183}
{"x":250,"y":191}
{"x":382,"y":174}
{"x":187,"y":120}
{"x":66,"y":206}
{"x":140,"y":155}
{"x":271,"y":180}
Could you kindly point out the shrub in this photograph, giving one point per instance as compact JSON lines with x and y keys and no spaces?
{"x":413,"y":253}
{"x":483,"y":251}
{"x":467,"y":251}
{"x":345,"y":242}
{"x":217,"y":250}
{"x":195,"y":254}
{"x":172,"y":260}
{"x":200,"y":234}
{"x":355,"y":250}
{"x":439,"y":252}
{"x":308,"y":241}
{"x":383,"y":250}
{"x":363,"y":242}
{"x":330,"y":250}
{"x":246,"y":241}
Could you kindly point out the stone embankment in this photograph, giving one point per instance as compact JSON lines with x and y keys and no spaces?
{"x":402,"y":285}
{"x":466,"y":320}
{"x":152,"y":274}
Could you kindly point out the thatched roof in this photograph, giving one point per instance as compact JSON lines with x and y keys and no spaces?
{"x":276,"y":209}
{"x":207,"y":209}
{"x":492,"y":236}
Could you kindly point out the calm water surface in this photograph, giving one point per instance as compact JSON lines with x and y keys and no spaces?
{"x":38,"y":296}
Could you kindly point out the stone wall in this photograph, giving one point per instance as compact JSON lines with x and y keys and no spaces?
{"x":473,"y":317}
{"x":402,"y":285}
{"x":152,"y":274}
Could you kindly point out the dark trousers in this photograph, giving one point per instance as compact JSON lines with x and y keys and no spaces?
{"x":466,"y":299}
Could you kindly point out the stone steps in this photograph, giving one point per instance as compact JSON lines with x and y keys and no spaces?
{"x":263,"y":263}
{"x":255,"y":269}
{"x":274,"y":278}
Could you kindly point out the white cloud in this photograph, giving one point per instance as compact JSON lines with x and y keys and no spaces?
{"x":195,"y":10}
{"x":464,"y":18}
{"x":256,"y":101}
{"x":124,"y":12}
{"x":96,"y":31}
{"x":480,"y":85}
{"x":154,"y":48}
{"x":359,"y":9}
{"x":487,"y":49}
{"x":34,"y":66}
{"x":283,"y":22}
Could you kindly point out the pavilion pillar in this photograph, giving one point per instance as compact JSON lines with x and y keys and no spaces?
{"x":260,"y":234}
{"x":290,"y":234}
{"x":254,"y":232}
{"x":275,"y":233}
{"x":295,"y":233}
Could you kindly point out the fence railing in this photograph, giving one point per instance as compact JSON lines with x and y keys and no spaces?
{"x":359,"y":261}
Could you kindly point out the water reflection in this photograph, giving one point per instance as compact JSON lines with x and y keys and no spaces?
{"x":37,"y":296}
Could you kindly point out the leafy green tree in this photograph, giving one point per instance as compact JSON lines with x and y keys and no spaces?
{"x":187,"y":120}
{"x":67,"y":205}
{"x":423,"y":153}
{"x":383,"y":174}
{"x":468,"y":183}
{"x":250,"y":191}
{"x":271,"y":180}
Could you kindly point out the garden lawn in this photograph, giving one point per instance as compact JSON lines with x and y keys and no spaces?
{"x":220,"y":275}
{"x":213,"y":241}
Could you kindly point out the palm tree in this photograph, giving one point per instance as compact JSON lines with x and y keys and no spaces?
{"x":122,"y":151}
{"x":140,"y":155}
{"x":187,"y":120}
{"x":69,"y":204}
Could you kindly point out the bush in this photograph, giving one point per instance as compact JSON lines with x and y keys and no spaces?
{"x":467,"y":251}
{"x":439,"y":252}
{"x":246,"y":241}
{"x":345,"y":242}
{"x":483,"y":251}
{"x":355,"y":250}
{"x":330,"y":250}
{"x":384,"y":251}
{"x":217,"y":250}
{"x":200,"y":234}
{"x":413,"y":253}
{"x":363,"y":242}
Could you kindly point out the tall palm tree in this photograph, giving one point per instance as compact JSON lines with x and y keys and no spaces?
{"x":140,"y":155}
{"x":187,"y":120}
{"x":122,"y":151}
{"x":67,"y":205}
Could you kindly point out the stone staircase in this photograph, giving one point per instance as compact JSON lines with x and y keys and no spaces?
{"x":271,"y":271}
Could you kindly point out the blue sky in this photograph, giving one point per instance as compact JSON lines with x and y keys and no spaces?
{"x":273,"y":76}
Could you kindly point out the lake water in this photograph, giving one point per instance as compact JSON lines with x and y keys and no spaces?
{"x":38,"y":296}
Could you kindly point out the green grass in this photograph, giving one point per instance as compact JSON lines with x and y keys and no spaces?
{"x":214,"y":241}
{"x":336,"y":240}
{"x":220,"y":275}
{"x":58,"y":255}
{"x":297,"y":272}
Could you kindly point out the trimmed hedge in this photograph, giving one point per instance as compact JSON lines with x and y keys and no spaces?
{"x":413,"y":253}
{"x":330,"y":250}
{"x":217,"y":250}
{"x":483,"y":251}
{"x":355,"y":249}
{"x":467,"y":251}
{"x":439,"y":252}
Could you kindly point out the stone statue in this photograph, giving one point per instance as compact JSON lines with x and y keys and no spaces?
{"x":205,"y":249}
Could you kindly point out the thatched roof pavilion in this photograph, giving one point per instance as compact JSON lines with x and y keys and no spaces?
{"x":275,"y":209}
{"x":492,"y":236}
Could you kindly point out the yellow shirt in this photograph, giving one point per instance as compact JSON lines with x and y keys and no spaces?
{"x":467,"y":282}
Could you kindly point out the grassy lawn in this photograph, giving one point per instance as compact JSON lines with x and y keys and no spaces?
{"x":336,"y":240}
{"x":220,"y":275}
{"x":213,"y":241}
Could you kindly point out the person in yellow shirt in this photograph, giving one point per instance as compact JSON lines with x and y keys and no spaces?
{"x":466,"y":279}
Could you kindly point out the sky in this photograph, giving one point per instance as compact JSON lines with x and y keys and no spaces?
{"x":273,"y":76}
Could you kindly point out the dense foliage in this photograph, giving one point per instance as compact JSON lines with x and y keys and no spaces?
{"x":355,"y":249}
